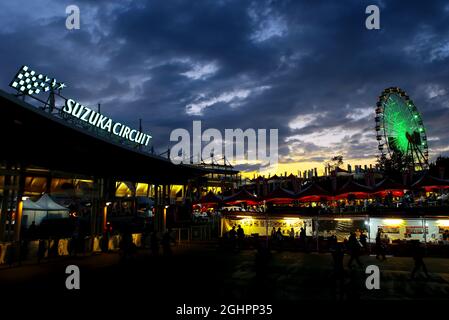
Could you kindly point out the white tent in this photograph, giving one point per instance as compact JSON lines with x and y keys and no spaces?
{"x":32,"y":212}
{"x":53,"y":209}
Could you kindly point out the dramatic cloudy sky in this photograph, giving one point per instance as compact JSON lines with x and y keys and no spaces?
{"x":309,"y":68}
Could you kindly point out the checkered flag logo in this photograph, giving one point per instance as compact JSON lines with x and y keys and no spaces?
{"x":29,"y":82}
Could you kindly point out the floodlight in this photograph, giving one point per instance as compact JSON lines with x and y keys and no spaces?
{"x":27,"y":79}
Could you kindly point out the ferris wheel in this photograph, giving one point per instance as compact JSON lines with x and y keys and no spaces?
{"x":400,"y":131}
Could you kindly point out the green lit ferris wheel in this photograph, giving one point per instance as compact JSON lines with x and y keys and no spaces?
{"x":400,"y":131}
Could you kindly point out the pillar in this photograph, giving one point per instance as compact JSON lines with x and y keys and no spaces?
{"x":4,"y":206}
{"x":19,"y":205}
{"x":48,"y":185}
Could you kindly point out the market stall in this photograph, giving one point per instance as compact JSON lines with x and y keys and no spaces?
{"x":257,"y":224}
{"x":51,"y":208}
{"x":32,"y":212}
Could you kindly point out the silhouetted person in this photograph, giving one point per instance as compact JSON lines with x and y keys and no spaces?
{"x":32,"y":231}
{"x":240,"y":233}
{"x":232,"y":233}
{"x":74,"y":243}
{"x":363,"y":240}
{"x":127,"y":245}
{"x":53,"y":249}
{"x":232,"y":237}
{"x":303,"y":238}
{"x":292,"y":234}
{"x":418,"y":252}
{"x":380,"y":248}
{"x":354,"y":250}
{"x":273,"y":233}
{"x":279,"y":239}
{"x":240,"y":236}
{"x":279,"y":235}
{"x":333,"y":241}
{"x":446,"y":235}
{"x":42,"y":248}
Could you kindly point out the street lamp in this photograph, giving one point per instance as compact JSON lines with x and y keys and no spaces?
{"x":30,"y":82}
{"x":105,"y":215}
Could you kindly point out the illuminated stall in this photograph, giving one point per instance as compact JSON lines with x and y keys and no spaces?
{"x":428,"y":229}
{"x":341,"y":227}
{"x":257,"y":224}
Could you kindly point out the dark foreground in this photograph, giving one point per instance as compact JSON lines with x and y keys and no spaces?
{"x":202,"y":274}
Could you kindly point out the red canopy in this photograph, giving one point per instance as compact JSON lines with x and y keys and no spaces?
{"x":210,"y":198}
{"x":355,"y":189}
{"x":241,"y":196}
{"x":429,"y":183}
{"x":389,"y":186}
{"x":313,"y":193}
{"x":280,"y":195}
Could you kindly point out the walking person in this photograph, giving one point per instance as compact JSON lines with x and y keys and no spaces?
{"x":240,"y":236}
{"x":303,"y":239}
{"x":280,"y":239}
{"x":279,"y":235}
{"x":232,"y":237}
{"x":354,"y":247}
{"x":42,"y":248}
{"x":74,"y":241}
{"x":32,"y":231}
{"x":380,"y":248}
{"x":363,"y":240}
{"x":418,"y":253}
{"x":292,"y":233}
{"x":273,"y":233}
{"x":445,"y":236}
{"x":126,"y":245}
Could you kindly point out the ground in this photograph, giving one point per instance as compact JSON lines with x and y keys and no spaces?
{"x":201,"y":273}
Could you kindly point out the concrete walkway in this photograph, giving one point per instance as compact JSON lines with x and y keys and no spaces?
{"x":204,"y":273}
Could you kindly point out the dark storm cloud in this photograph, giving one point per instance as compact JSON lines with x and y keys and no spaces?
{"x":308,"y":68}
